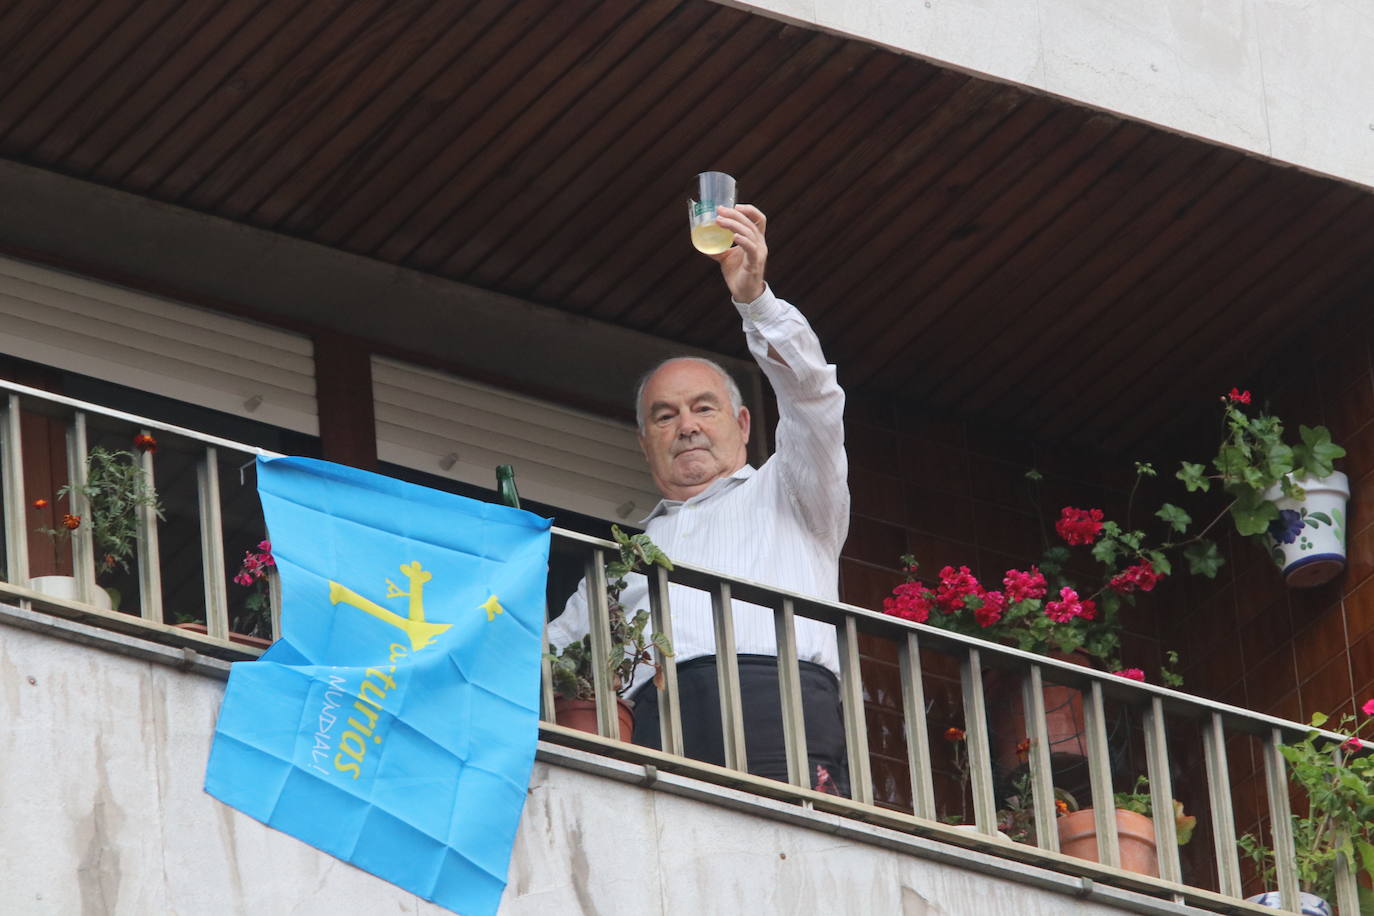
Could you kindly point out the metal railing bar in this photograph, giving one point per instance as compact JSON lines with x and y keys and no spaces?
{"x":789,"y":693}
{"x":1100,"y":777}
{"x":212,"y":545}
{"x":1223,"y":815}
{"x":599,"y":629}
{"x":727,"y":678}
{"x":149,"y":556}
{"x":83,"y":553}
{"x":136,"y":420}
{"x":1161,"y":791}
{"x":12,"y":473}
{"x":1041,"y":771}
{"x":855,"y":722}
{"x":917,"y":730}
{"x":976,"y":742}
{"x":669,"y":704}
{"x":1281,"y":821}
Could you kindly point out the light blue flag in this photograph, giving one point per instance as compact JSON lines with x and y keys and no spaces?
{"x":394,"y":723}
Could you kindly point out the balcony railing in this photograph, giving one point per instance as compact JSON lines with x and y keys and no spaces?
{"x":197,"y":500}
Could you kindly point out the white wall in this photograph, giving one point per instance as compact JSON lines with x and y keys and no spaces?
{"x":102,"y":758}
{"x":1291,"y":79}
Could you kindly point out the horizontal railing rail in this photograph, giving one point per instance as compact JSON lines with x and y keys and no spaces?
{"x":1157,"y":709}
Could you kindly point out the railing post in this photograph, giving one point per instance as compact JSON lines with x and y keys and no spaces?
{"x":917,"y":732}
{"x":212,"y":546}
{"x":1041,"y":771}
{"x":1100,"y":776}
{"x":855,"y":723}
{"x":149,"y":557}
{"x":1161,"y":792}
{"x":546,"y":710}
{"x":16,"y":505}
{"x":1347,"y":891}
{"x":976,"y":739}
{"x":1223,"y":816}
{"x":599,"y":628}
{"x":789,"y":691}
{"x":727,"y":678}
{"x":1281,"y":821}
{"x":83,"y":553}
{"x":661,"y":621}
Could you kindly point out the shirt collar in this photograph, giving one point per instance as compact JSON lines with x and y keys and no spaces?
{"x":718,"y":486}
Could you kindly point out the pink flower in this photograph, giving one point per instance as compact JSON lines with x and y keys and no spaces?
{"x":1368,"y":707}
{"x":1134,"y":674}
{"x":243,"y":579}
{"x":1067,"y":607}
{"x":991,"y":611}
{"x":1024,"y":586}
{"x":954,"y":588}
{"x":910,"y":601}
{"x":1079,"y":526}
{"x":1351,"y":744}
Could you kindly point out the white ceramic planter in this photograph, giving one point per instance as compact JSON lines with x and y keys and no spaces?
{"x":1307,"y":541}
{"x":1312,"y":905}
{"x":65,"y":587}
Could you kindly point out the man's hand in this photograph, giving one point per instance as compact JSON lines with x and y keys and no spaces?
{"x":742,"y":266}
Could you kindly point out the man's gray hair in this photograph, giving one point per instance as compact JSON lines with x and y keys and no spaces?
{"x":731,"y":388}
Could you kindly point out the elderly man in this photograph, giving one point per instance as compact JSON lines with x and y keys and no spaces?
{"x":782,"y":524}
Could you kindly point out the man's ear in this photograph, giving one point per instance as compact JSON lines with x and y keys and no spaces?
{"x":743,"y":420}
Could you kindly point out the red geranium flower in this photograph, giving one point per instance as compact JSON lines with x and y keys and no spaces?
{"x":145,"y":443}
{"x":1134,"y":674}
{"x":1238,"y":397}
{"x":1079,"y":526}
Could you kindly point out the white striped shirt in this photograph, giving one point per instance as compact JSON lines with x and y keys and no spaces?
{"x":782,"y":524}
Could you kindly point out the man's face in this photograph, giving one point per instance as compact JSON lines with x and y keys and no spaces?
{"x":690,"y":437}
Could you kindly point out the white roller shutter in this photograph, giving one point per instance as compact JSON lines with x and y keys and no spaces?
{"x":444,"y":425}
{"x":157,"y":345}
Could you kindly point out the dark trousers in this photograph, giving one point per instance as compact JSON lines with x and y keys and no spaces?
{"x":699,"y":700}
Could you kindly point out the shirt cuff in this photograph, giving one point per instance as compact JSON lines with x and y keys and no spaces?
{"x":761,"y":310}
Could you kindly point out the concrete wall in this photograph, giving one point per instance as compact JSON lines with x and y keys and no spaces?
{"x":1291,"y":79}
{"x":101,"y":812}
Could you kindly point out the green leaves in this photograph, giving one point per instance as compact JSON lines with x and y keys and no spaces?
{"x":1203,"y":558}
{"x":1174,"y":517}
{"x":1194,"y":477}
{"x":1317,"y":452}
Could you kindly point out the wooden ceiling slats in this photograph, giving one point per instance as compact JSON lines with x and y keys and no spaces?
{"x":1156,"y":243}
{"x":230,"y":97}
{"x":517,"y":173}
{"x":292,"y":88}
{"x":587,"y":181}
{"x":648,"y":269}
{"x":551,"y":87}
{"x":398,"y":144}
{"x":1242,"y":298}
{"x":183,"y":90}
{"x":42,"y":62}
{"x":845,"y":138}
{"x":343,"y":137}
{"x":181,"y":62}
{"x":1041,"y":306}
{"x":938,"y":284}
{"x":342,"y":88}
{"x":970,"y":245}
{"x":77,"y":106}
{"x":1019,"y":255}
{"x":525,"y":32}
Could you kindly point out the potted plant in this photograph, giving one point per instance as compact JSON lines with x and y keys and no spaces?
{"x":1337,"y":782}
{"x":571,"y":668}
{"x":1134,"y":828}
{"x":114,"y":492}
{"x":1287,"y":495}
{"x":252,"y":626}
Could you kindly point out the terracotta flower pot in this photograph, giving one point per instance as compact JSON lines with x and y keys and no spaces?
{"x":1135,"y":836}
{"x":240,"y":638}
{"x":581,"y":715}
{"x":1064,"y":722}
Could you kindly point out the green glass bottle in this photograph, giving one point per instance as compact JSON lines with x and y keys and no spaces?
{"x":505,"y":486}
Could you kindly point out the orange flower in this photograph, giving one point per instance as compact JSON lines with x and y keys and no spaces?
{"x":71,"y":522}
{"x":954,"y":734}
{"x":110,"y":561}
{"x":1061,"y":807}
{"x":1023,"y":750}
{"x":40,"y":504}
{"x":145,"y":443}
